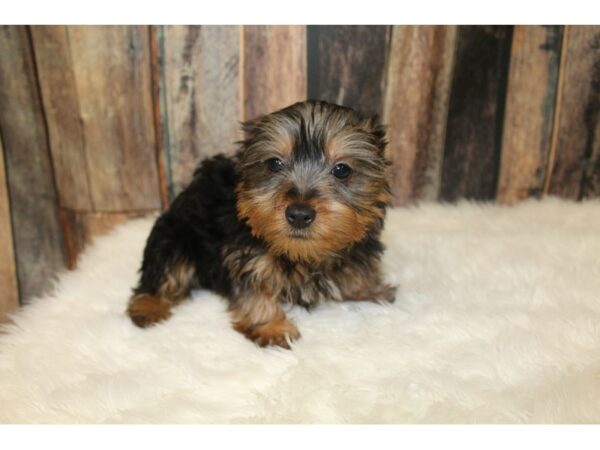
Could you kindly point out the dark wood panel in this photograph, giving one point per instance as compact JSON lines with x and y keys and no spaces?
{"x":529,"y":116}
{"x":159,"y":105}
{"x":9,"y":291}
{"x":37,"y":237}
{"x":274,"y":68}
{"x":201,"y":69}
{"x":475,"y":114}
{"x":111,"y":66}
{"x":346,"y":65}
{"x":419,"y":74}
{"x":576,"y":166}
{"x":61,"y":107}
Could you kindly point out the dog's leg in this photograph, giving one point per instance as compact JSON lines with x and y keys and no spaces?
{"x":147,"y":308}
{"x":261,"y":319}
{"x":166,"y":279}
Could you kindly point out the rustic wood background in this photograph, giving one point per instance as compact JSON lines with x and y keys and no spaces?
{"x":99,"y":124}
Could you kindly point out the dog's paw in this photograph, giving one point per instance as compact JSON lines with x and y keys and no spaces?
{"x":277,"y":332}
{"x":145,"y":310}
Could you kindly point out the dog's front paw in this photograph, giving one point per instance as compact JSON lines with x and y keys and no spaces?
{"x":277,"y":332}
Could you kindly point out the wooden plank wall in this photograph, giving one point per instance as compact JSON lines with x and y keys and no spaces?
{"x":111,"y":121}
{"x":575,"y":168}
{"x":38,"y":241}
{"x":346,"y":65}
{"x":97,"y":94}
{"x":529,"y":116}
{"x":274,"y":68}
{"x":9,"y":300}
{"x":419,"y":76}
{"x":475,"y":113}
{"x":200,"y":69}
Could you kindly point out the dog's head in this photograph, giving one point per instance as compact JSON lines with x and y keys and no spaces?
{"x":313,"y":179}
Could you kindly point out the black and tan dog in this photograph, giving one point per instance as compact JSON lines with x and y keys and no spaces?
{"x":294,"y":217}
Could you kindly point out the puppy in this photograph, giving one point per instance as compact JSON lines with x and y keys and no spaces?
{"x":293,"y":218}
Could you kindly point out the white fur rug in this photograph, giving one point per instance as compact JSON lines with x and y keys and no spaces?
{"x":497,"y":319}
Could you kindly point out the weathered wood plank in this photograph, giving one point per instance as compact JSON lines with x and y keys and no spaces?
{"x":475,"y":115}
{"x":201,"y":69}
{"x":61,"y":107}
{"x":576,"y":166}
{"x":37,"y":237}
{"x":419,"y":74}
{"x":9,"y":291}
{"x":529,"y":114}
{"x":81,"y":228}
{"x":274,"y":68}
{"x":346,"y":65}
{"x":111,"y":67}
{"x":158,"y":105}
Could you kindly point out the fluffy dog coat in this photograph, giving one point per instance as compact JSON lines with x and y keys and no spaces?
{"x":294,"y":217}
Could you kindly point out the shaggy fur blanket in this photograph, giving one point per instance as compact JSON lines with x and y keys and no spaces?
{"x":497,"y":319}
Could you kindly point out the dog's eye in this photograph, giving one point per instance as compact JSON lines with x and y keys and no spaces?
{"x":341,"y":171}
{"x":274,"y":164}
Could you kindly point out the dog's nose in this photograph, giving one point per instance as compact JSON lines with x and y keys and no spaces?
{"x":299,"y":215}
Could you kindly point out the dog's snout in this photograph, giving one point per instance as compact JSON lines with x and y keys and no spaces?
{"x":300,"y":215}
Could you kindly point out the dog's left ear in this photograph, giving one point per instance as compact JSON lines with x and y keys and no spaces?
{"x":374,"y":126}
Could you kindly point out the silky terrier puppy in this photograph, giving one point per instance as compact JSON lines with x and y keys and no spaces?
{"x":294,"y":217}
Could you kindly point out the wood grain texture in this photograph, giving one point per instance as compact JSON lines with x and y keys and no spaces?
{"x":274,"y":68}
{"x":529,"y":115}
{"x":201,"y":69}
{"x":9,"y":290}
{"x":37,"y":236}
{"x":111,"y":67}
{"x":419,"y":74}
{"x":346,"y":65}
{"x":575,"y":170}
{"x":158,"y":105}
{"x":61,"y":106}
{"x":475,"y":114}
{"x":82,"y":227}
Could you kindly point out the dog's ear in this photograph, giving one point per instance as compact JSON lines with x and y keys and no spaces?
{"x":377,"y":130}
{"x":249,"y":129}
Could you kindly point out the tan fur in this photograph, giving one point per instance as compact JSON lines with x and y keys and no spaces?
{"x":177,"y":282}
{"x":259,"y":271}
{"x":336,"y":227}
{"x":337,"y":143}
{"x":277,"y":138}
{"x":146,"y":309}
{"x":261,"y":319}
